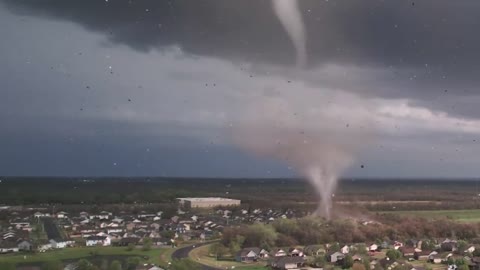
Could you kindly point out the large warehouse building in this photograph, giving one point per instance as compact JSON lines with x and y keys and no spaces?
{"x":207,"y":202}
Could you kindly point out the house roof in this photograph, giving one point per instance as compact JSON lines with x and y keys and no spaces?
{"x":96,"y":238}
{"x":285,"y":260}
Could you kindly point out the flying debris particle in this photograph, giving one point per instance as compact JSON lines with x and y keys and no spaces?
{"x":114,"y":164}
{"x":129,"y":100}
{"x":289,"y":81}
{"x":81,"y":109}
{"x":251,"y":76}
{"x":347,"y":125}
{"x":362,"y":166}
{"x":88,"y":87}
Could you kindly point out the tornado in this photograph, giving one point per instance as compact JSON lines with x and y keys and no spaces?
{"x":316,"y":131}
{"x":288,"y":13}
{"x":318,"y":139}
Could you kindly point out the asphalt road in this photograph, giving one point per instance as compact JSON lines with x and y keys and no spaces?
{"x":182,"y":253}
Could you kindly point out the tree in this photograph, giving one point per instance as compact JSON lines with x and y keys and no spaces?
{"x":147,"y":244}
{"x":131,"y":246}
{"x":366,"y":263}
{"x":463,"y":267}
{"x":168,"y":234}
{"x":348,"y":262}
{"x":184,"y":264}
{"x":259,"y":235}
{"x":52,"y":265}
{"x":7,"y":266}
{"x":393,"y":254}
{"x":361,"y":249}
{"x":358,"y":266}
{"x":334,"y":247}
{"x":450,"y":261}
{"x":84,"y":265}
{"x":317,"y":261}
{"x":115,"y":265}
{"x":428,"y":245}
{"x":132,"y":262}
{"x":459,"y":262}
{"x":218,"y":250}
{"x":461,"y":245}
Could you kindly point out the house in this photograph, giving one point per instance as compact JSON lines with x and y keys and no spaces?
{"x":61,"y":243}
{"x":155,"y":268}
{"x":357,"y":258}
{"x":397,"y":245}
{"x":117,"y":220}
{"x":125,"y":241}
{"x":98,"y":241}
{"x":423,"y":255}
{"x":407,"y":251}
{"x":44,"y":246}
{"x":437,"y":258}
{"x":449,"y":245}
{"x":471,"y":249}
{"x":8,"y":246}
{"x":278,"y":252}
{"x":39,"y":215}
{"x":114,"y":230}
{"x":295,"y":252}
{"x":287,"y":262}
{"x":373,"y":247}
{"x":314,"y":250}
{"x":247,"y":255}
{"x":24,"y":245}
{"x":263,"y":254}
{"x":345,"y":249}
{"x":62,"y":214}
{"x":336,"y":256}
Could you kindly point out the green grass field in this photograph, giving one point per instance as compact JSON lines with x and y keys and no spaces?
{"x":158,"y":256}
{"x":470,"y":215}
{"x":200,"y":255}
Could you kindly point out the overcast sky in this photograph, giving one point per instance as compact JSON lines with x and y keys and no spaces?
{"x":163,"y":88}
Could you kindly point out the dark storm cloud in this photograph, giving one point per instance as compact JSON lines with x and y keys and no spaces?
{"x":427,"y":46}
{"x":440,"y":33}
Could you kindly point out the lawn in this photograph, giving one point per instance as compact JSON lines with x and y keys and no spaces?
{"x":159,"y":256}
{"x":200,"y":255}
{"x":470,"y":215}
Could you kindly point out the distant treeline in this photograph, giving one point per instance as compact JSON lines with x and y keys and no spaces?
{"x":283,"y":193}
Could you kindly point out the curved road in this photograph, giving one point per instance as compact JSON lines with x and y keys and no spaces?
{"x":182,"y":253}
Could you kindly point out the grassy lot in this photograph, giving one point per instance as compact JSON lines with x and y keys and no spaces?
{"x":470,"y":215}
{"x":157,"y":256}
{"x":201,"y":255}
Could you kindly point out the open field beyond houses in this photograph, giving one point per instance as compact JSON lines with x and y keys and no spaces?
{"x":469,"y":215}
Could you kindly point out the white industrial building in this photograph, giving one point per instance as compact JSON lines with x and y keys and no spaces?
{"x":207,"y":202}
